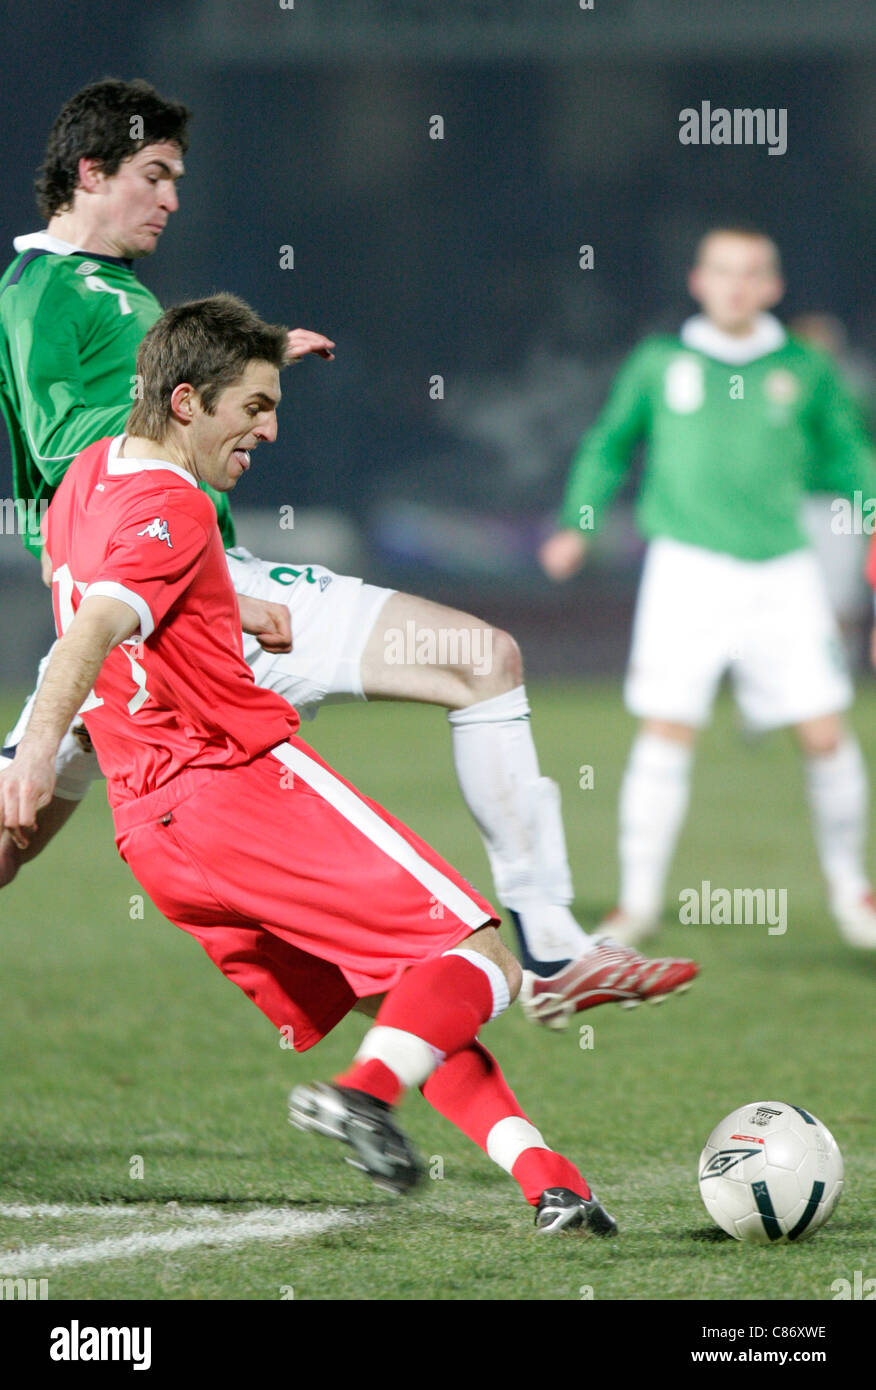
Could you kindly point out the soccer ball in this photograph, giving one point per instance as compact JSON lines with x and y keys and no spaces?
{"x":770,"y":1173}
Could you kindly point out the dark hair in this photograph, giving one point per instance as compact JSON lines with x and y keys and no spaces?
{"x":98,"y":123}
{"x":206,"y":342}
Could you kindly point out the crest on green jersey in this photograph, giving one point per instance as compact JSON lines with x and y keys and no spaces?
{"x":684,"y":385}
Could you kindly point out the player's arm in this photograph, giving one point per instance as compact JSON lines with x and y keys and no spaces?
{"x":599,"y":466}
{"x":99,"y":625}
{"x":45,"y":362}
{"x":138,"y":582}
{"x":845,"y":461}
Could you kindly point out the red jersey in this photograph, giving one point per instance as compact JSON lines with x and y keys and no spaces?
{"x":178,"y":694}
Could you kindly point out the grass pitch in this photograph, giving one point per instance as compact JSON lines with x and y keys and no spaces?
{"x":144,"y":1149}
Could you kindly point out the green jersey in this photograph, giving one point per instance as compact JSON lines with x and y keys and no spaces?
{"x":70,"y":327}
{"x":731,"y":446}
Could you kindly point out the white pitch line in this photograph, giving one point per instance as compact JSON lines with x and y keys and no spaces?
{"x":267,"y":1224}
{"x":61,"y":1210}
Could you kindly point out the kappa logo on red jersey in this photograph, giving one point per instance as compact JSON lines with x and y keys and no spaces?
{"x":158,"y":530}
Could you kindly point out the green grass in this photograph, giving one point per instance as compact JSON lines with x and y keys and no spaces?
{"x":119,"y":1039}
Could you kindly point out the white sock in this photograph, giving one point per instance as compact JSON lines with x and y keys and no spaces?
{"x":653,"y":802}
{"x":518,"y":814}
{"x":838,"y":796}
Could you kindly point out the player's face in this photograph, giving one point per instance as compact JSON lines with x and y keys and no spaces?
{"x":138,"y":199}
{"x":735,"y":280}
{"x":245,"y":416}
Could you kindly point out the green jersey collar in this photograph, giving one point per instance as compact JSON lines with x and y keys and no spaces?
{"x":42,"y":241}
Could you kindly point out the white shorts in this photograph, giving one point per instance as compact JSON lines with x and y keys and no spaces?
{"x":768,"y":622}
{"x":332,"y":616}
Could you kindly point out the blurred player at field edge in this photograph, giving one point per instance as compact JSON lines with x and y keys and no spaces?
{"x":739,"y":419}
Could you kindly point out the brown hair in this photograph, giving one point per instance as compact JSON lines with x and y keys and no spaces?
{"x":205,"y":342}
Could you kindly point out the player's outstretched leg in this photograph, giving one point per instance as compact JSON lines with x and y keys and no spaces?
{"x":434,"y":1010}
{"x":470,"y":1091}
{"x":419,"y":650}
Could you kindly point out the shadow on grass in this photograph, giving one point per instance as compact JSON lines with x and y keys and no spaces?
{"x":104,"y":1196}
{"x":48,"y":1161}
{"x":707,"y":1235}
{"x":713,"y":1235}
{"x":83,"y":1174}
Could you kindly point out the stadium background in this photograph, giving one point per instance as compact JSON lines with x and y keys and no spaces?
{"x":459,"y":256}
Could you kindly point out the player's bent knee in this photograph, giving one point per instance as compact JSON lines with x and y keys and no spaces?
{"x":496,"y":665}
{"x":669,"y":729}
{"x":486,"y":941}
{"x":514,"y":975}
{"x":819,"y":738}
{"x":507,"y":661}
{"x":509,"y":966}
{"x":820,"y":748}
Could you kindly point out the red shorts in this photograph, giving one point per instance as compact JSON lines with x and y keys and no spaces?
{"x":305,"y":893}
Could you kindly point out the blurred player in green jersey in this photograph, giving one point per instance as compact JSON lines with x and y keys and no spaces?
{"x":72,"y":314}
{"x":739,"y":419}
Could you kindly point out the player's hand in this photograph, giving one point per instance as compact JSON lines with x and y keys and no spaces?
{"x":562,"y":554}
{"x":268,"y":622}
{"x":25,"y":788}
{"x":300,"y":341}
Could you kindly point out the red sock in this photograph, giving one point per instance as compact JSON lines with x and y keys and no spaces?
{"x":433,"y":1011}
{"x":470,"y":1091}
